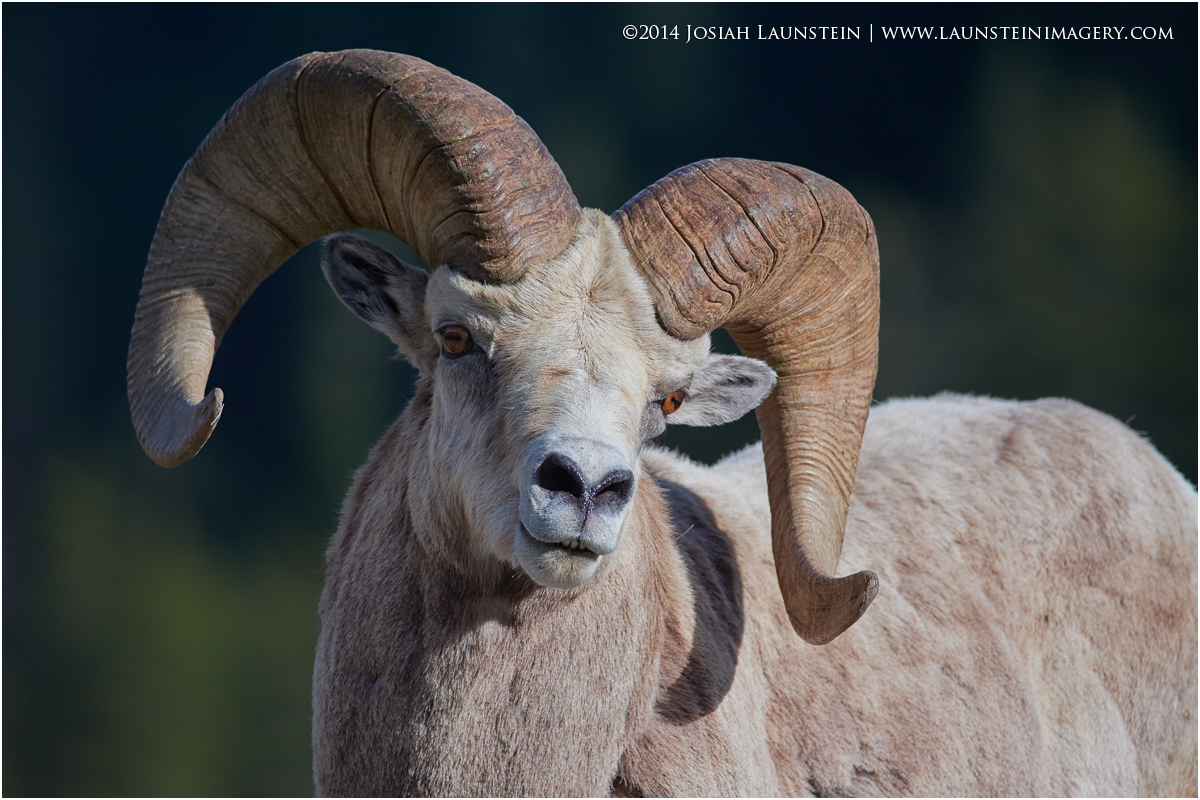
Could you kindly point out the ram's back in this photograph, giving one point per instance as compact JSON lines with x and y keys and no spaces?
{"x":1035,"y":629}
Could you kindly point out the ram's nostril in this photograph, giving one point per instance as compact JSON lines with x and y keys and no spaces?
{"x":615,"y":488}
{"x":560,"y":474}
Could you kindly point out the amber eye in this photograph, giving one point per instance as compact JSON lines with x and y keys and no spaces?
{"x":672,"y":402}
{"x":455,"y":340}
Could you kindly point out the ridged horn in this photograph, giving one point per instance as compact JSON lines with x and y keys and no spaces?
{"x":786,"y":261}
{"x":326,"y":143}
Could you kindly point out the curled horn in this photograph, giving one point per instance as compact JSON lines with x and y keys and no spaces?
{"x":325,"y":143}
{"x":786,"y":261}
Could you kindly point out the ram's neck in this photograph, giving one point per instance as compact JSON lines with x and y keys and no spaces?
{"x":429,"y":681}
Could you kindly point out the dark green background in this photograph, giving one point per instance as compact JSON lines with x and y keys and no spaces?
{"x":1036,"y":210}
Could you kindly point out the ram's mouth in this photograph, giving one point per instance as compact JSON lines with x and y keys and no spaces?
{"x":561,"y":565}
{"x":574,"y":546}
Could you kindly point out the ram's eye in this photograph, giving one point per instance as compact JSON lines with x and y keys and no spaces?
{"x":456,"y":340}
{"x":672,"y":402}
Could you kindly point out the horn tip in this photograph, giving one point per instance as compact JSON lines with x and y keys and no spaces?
{"x":845,"y":601}
{"x":190,"y":431}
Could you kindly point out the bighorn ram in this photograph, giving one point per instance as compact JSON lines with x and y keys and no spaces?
{"x":525,"y":597}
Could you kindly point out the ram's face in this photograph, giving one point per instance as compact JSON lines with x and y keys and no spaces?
{"x":543,"y":391}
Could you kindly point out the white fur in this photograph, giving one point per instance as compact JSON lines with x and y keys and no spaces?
{"x":1035,"y":630}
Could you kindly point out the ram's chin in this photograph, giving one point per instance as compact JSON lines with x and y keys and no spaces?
{"x":553,"y":565}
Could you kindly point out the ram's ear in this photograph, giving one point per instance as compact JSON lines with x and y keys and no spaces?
{"x":722,"y":390}
{"x":383,"y":291}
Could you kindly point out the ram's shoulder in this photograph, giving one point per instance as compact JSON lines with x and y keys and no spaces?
{"x":734,"y":491}
{"x":736,"y":477}
{"x":971,"y":432}
{"x":1049,"y":476}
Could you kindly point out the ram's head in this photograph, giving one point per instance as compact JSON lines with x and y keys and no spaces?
{"x":552,"y":341}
